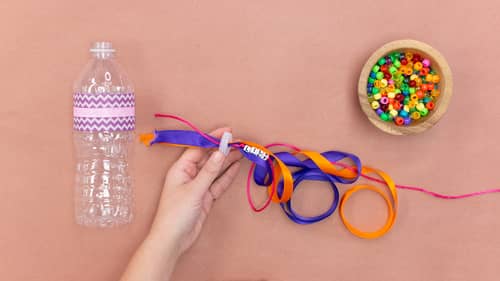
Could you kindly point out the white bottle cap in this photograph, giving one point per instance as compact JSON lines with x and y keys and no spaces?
{"x":224,"y":147}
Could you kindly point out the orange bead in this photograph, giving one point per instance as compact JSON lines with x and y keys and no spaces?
{"x":399,"y":121}
{"x":430,"y":105}
{"x":420,"y":94}
{"x":396,"y":105}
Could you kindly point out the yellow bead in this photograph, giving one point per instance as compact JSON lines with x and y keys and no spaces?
{"x":417,"y":65}
{"x":382,"y":91}
{"x":391,"y":88}
{"x":376,"y":84}
{"x":410,"y":65}
{"x":390,"y":107}
{"x":415,"y":115}
{"x":375,"y":105}
{"x":406,"y":108}
{"x":419,"y":81}
{"x":393,"y":113}
{"x":377,"y":96}
{"x":413,"y":77}
{"x":435,"y":79}
{"x":391,"y":95}
{"x":420,"y":106}
{"x":383,"y":83}
{"x":409,"y":55}
{"x":435,"y":93}
{"x":414,"y":97}
{"x":412,"y":104}
{"x":428,"y":77}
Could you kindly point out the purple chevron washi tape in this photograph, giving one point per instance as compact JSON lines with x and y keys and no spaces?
{"x":104,"y":112}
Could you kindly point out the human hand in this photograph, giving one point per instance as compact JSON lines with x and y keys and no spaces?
{"x":191,"y":186}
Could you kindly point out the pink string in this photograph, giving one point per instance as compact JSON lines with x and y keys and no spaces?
{"x":295,"y":148}
{"x":407,"y":187}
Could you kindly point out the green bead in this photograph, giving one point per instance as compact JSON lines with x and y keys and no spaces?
{"x":412,"y":90}
{"x":397,"y":91}
{"x":392,"y":69}
{"x":424,"y":111}
{"x":376,"y":68}
{"x":380,"y":75}
{"x":406,"y":100}
{"x":397,"y":63}
{"x":404,"y":87}
{"x":371,"y":80}
{"x":384,"y":116}
{"x":375,"y":90}
{"x":381,"y":61}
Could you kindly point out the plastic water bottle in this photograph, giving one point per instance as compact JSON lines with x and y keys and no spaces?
{"x":103,"y":125}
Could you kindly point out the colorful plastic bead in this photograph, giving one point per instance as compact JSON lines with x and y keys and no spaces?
{"x":430,"y":105}
{"x":415,"y":115}
{"x":384,"y":116}
{"x":383,"y":83}
{"x":399,"y":121}
{"x":424,"y":112}
{"x":375,"y":105}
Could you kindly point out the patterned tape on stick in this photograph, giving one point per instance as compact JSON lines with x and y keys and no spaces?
{"x":104,"y":112}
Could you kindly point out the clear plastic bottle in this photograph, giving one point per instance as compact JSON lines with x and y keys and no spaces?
{"x":103,"y":124}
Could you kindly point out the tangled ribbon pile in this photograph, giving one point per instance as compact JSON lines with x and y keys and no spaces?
{"x":272,"y":170}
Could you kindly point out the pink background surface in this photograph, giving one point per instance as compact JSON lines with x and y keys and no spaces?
{"x":273,"y":70}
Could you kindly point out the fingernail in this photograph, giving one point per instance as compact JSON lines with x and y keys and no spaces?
{"x":218,"y":157}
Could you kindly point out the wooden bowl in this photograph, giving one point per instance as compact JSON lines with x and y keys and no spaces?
{"x":438,"y":63}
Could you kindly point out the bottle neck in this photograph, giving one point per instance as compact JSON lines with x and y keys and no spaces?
{"x":103,"y":55}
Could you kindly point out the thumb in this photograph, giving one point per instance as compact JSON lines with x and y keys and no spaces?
{"x":209,"y":172}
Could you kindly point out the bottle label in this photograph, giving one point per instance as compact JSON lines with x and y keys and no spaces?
{"x":104,"y":112}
